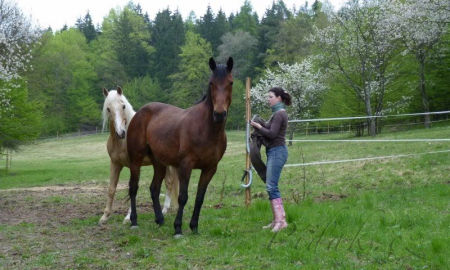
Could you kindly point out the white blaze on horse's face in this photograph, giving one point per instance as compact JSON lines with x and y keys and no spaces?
{"x":115,"y":110}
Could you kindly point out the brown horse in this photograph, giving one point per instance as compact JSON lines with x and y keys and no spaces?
{"x":186,"y":139}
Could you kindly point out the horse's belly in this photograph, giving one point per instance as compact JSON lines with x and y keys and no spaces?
{"x":146,"y":161}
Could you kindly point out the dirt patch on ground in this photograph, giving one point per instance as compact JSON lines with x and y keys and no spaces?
{"x":64,"y":188}
{"x":329,"y":197}
{"x":58,"y":204}
{"x":51,"y":227}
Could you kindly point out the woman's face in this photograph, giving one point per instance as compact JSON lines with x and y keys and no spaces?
{"x":273,"y":99}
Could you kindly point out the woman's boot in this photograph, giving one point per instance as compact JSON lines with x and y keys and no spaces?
{"x":280,"y":215}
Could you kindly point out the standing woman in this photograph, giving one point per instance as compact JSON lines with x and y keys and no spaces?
{"x":274,"y":131}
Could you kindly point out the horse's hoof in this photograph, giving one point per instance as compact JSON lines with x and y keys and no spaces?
{"x":103,"y":220}
{"x":126,"y":221}
{"x":135,"y":227}
{"x":160,"y":222}
{"x":178,"y":236}
{"x":194,"y":229}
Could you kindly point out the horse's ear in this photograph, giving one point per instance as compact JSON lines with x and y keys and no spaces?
{"x":119,"y":90}
{"x":105,"y":92}
{"x":212,"y":64}
{"x":230,"y":64}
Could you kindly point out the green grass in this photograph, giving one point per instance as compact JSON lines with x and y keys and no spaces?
{"x":385,"y":214}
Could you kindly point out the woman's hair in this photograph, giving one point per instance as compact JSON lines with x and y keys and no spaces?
{"x":279,"y":92}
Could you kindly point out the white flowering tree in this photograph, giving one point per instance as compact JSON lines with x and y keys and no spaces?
{"x":16,"y":37}
{"x":356,"y":49}
{"x":420,"y":24}
{"x":299,"y":80}
{"x":19,"y":118}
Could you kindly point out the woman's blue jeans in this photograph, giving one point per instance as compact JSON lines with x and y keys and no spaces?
{"x":276,"y":158}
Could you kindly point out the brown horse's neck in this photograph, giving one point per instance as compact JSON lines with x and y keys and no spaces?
{"x":207,"y":109}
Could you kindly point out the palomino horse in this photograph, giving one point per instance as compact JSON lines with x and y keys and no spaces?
{"x":186,"y":139}
{"x":119,"y":112}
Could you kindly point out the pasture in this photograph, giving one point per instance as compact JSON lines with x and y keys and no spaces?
{"x":382,"y":214}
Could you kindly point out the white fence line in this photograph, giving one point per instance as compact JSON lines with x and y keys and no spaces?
{"x":363,"y":159}
{"x":375,"y":140}
{"x":365,"y":117}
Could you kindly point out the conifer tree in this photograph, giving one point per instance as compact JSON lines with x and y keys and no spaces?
{"x":86,"y":27}
{"x":168,"y":35}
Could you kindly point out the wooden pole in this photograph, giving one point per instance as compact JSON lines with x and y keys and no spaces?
{"x":247,"y":154}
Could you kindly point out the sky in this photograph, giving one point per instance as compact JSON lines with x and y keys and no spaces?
{"x":57,"y":13}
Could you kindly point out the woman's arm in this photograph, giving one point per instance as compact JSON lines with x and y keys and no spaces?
{"x":274,"y":129}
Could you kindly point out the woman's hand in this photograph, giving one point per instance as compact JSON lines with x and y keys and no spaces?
{"x":255,"y":125}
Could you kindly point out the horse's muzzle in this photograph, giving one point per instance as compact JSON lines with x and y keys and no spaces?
{"x":219,"y":117}
{"x":121,"y":135}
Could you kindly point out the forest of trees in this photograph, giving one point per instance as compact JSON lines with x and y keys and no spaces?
{"x":368,"y":58}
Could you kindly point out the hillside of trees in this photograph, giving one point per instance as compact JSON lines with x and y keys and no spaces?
{"x":368,"y":58}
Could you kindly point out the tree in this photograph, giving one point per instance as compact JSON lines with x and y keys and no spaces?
{"x":129,"y":36}
{"x":242,"y":47}
{"x":190,"y":22}
{"x":142,"y":90}
{"x":300,"y":80}
{"x":357,"y":48}
{"x":206,"y":25}
{"x":246,"y":20}
{"x":23,"y":121}
{"x":16,"y":38}
{"x":222,"y":27}
{"x":191,"y":80}
{"x":270,"y":26}
{"x":61,"y":82}
{"x":168,"y":35}
{"x":291,"y":43}
{"x":421,"y":24}
{"x":87,"y":27}
{"x":110,"y":72}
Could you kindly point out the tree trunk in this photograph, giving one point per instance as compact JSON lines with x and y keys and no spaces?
{"x":426,"y":105}
{"x":371,"y":127}
{"x":291,"y":135}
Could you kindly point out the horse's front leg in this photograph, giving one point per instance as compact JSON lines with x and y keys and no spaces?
{"x":155,"y":190}
{"x":133,"y":185}
{"x":205,"y":178}
{"x":184,"y":174}
{"x":113,"y":180}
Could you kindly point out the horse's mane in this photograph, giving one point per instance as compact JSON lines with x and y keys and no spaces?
{"x":112,"y":97}
{"x":201,"y":100}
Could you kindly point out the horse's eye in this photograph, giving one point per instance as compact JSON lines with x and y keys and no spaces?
{"x":108,"y":109}
{"x":231,"y":83}
{"x":123,"y":107}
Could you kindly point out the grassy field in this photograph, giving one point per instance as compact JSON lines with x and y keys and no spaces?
{"x":382,"y":214}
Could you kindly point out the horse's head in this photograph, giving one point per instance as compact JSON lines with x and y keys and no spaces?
{"x":221,"y":86}
{"x":115,"y":110}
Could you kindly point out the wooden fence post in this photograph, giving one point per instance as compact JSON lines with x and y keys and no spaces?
{"x":247,"y":155}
